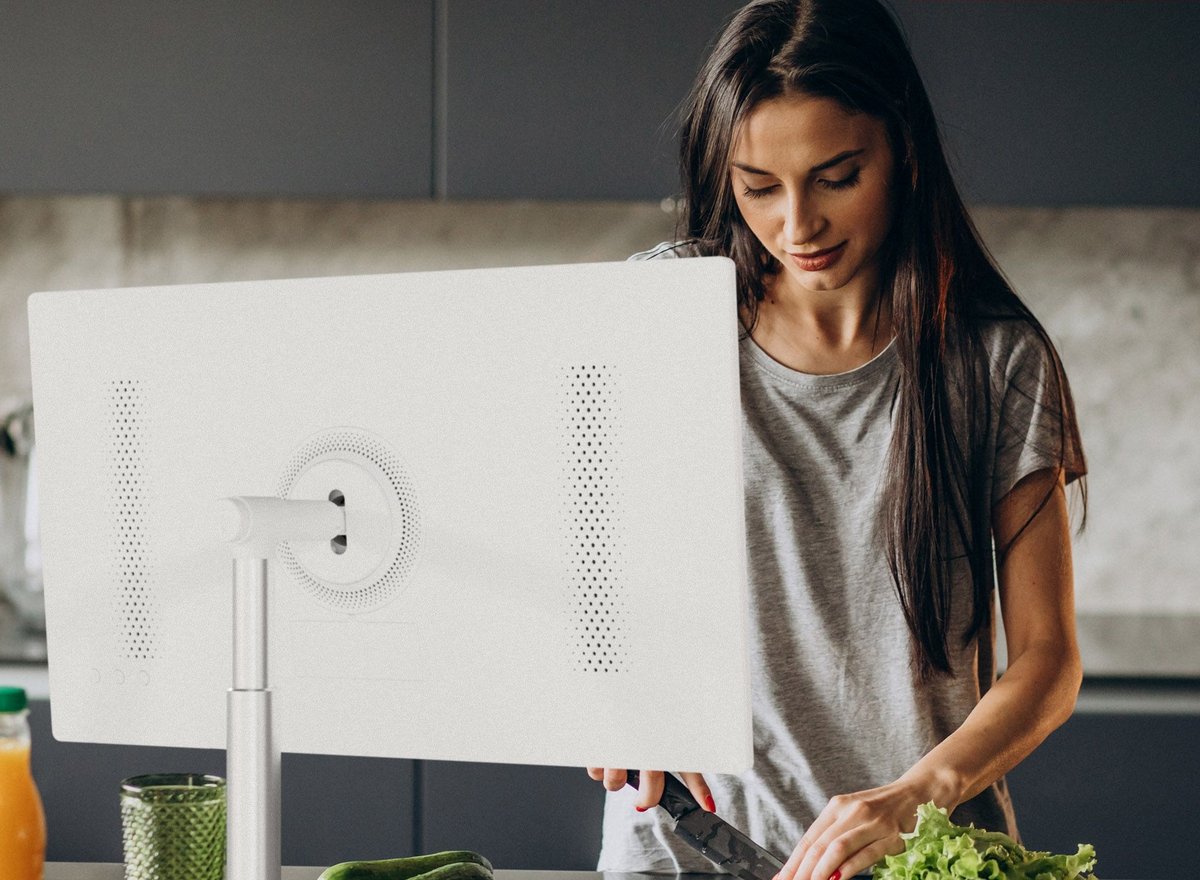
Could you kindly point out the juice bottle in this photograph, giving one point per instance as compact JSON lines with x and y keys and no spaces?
{"x":22,"y":822}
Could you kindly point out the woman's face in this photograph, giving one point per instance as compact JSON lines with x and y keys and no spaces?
{"x":808,"y":176}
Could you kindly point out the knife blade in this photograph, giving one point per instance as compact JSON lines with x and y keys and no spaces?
{"x":712,"y":836}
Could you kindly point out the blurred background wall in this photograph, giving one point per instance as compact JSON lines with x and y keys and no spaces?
{"x":1118,"y":288}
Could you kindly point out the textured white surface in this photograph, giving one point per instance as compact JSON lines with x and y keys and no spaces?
{"x":1118,"y":289}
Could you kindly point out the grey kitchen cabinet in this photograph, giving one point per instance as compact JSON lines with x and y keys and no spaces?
{"x":1091,"y":103}
{"x":247,"y":98}
{"x":1094,"y":103}
{"x":1123,"y":781}
{"x":552,"y":100}
{"x":534,"y":818}
{"x":545,"y":99}
{"x":334,"y":807}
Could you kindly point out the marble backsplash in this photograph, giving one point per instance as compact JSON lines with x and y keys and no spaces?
{"x":1118,"y":289}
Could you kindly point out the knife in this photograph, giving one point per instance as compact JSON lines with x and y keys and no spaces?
{"x":716,"y":839}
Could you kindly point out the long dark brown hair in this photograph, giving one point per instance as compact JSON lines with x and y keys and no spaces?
{"x":944,"y":286}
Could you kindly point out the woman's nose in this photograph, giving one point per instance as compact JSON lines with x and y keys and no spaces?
{"x":803,"y":222}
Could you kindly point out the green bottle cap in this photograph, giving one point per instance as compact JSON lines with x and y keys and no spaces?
{"x":12,"y":699}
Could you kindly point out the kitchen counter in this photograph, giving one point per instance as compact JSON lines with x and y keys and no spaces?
{"x":97,"y":871}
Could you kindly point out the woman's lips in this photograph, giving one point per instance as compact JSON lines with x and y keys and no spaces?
{"x":818,"y":260}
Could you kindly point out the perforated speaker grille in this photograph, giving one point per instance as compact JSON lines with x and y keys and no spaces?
{"x":349,"y":444}
{"x":591,"y":474}
{"x":135,"y":610}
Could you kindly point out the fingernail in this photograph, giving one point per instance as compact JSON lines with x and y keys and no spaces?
{"x":641,"y":809}
{"x":712,"y":808}
{"x":837,"y":875}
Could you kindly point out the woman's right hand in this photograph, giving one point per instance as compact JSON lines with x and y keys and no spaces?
{"x":650,"y":785}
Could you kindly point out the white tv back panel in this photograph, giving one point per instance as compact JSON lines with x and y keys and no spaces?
{"x":569,"y":583}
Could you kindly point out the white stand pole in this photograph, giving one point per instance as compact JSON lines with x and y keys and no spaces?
{"x":254,"y":526}
{"x":252,"y":757}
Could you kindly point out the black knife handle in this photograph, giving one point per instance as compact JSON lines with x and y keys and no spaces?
{"x":676,"y":798}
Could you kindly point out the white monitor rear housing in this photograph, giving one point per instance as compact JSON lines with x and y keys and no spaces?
{"x":540,"y":474}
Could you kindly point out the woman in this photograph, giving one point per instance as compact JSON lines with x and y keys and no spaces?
{"x":908,"y":434}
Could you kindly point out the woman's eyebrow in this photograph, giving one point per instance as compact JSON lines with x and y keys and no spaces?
{"x":828,"y":163}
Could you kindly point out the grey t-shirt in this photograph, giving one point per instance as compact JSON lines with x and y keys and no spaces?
{"x":834,"y":706}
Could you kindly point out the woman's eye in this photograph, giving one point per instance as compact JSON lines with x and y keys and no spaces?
{"x":844,"y":183}
{"x":756,"y":193}
{"x":841,"y":184}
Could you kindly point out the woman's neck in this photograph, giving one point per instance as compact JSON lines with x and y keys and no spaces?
{"x":822,"y":333}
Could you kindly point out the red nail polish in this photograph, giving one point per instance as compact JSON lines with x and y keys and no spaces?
{"x":837,"y":875}
{"x":712,"y":807}
{"x":640,"y":809}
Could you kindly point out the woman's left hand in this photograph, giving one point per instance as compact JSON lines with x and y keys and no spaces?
{"x":854,"y":831}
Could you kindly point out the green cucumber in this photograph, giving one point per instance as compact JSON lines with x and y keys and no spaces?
{"x":460,"y":871}
{"x":454,"y":864}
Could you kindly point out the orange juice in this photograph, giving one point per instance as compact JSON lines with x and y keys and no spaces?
{"x":22,"y":822}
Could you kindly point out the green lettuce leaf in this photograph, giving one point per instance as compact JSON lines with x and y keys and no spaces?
{"x":937,"y":849}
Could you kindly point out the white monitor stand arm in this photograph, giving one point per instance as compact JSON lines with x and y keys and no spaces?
{"x":253,"y":526}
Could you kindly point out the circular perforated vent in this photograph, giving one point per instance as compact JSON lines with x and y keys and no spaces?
{"x":373,"y":456}
{"x":592,"y":489}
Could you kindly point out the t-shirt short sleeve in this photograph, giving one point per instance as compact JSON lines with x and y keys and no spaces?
{"x":1034,"y":429}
